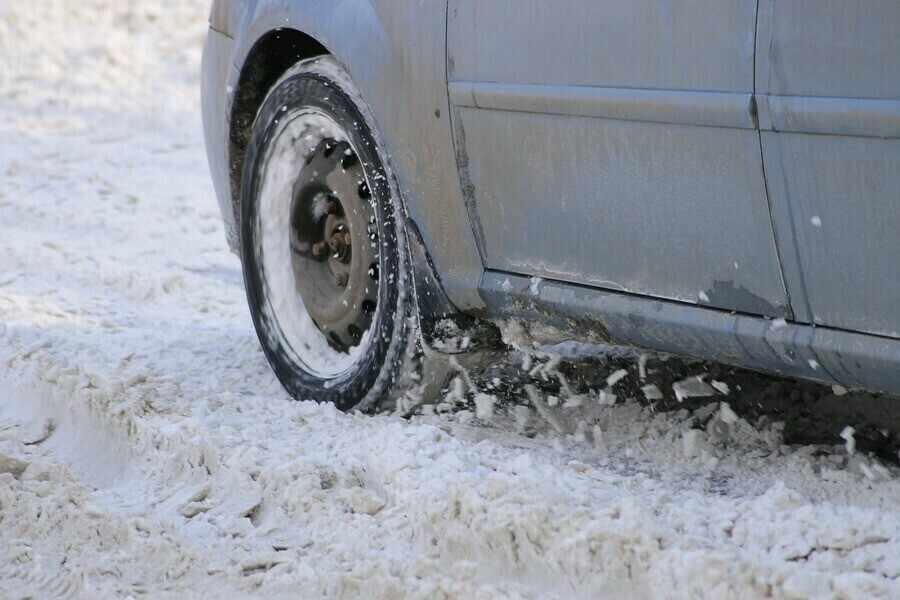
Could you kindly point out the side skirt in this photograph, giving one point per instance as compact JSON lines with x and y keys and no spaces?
{"x":556,"y":311}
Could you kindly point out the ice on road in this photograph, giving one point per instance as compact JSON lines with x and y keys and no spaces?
{"x":146,"y":448}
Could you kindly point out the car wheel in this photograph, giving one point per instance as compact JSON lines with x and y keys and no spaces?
{"x":323,"y":244}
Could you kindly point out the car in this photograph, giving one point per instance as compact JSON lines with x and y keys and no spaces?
{"x":409,"y":181}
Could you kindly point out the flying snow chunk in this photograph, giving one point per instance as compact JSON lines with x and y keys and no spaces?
{"x":838,"y":390}
{"x":703,"y":296}
{"x":607,"y":398}
{"x":533,"y":288}
{"x":523,"y":417}
{"x":813,"y":363}
{"x":457,"y":392}
{"x":849,"y":441}
{"x":484,"y":406}
{"x":726,"y":414}
{"x":616,"y":377}
{"x":816,"y":221}
{"x":721,"y":386}
{"x":651,"y":392}
{"x":692,"y":387}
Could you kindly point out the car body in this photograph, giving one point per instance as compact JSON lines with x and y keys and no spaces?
{"x":718,"y":180}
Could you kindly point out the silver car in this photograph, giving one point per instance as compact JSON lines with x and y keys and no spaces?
{"x":405,"y":180}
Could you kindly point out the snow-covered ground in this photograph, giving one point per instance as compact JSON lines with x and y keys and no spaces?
{"x":147,"y":450}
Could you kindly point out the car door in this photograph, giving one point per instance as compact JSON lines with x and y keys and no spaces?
{"x":828,"y":77}
{"x":615,"y":144}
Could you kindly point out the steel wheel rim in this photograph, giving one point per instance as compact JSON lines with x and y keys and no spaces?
{"x":334,"y":238}
{"x":282,"y":251}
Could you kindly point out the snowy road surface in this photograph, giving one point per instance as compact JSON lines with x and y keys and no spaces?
{"x":147,"y":450}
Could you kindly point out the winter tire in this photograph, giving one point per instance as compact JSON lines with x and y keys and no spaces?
{"x":323,"y":244}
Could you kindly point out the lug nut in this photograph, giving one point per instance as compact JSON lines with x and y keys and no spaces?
{"x":341,"y":279}
{"x":331,"y":207}
{"x":319,"y":249}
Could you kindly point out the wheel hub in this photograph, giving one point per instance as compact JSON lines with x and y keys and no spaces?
{"x":341,"y":243}
{"x":334,"y":244}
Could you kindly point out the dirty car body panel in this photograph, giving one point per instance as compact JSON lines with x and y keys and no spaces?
{"x":719,"y":180}
{"x":639,"y":153}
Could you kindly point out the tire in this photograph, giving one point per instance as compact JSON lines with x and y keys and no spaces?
{"x":323,"y":245}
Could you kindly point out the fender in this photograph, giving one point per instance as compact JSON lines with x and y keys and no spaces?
{"x":396,"y":55}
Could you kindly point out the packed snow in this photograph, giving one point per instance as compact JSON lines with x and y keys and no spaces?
{"x":147,"y":450}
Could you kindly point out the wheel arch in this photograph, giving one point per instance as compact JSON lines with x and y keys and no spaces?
{"x":268,"y":59}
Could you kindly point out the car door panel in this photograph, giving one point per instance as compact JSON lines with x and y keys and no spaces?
{"x":646,"y":44}
{"x":828,"y":83}
{"x":829,"y":48}
{"x":597,"y":227}
{"x":615,"y":145}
